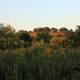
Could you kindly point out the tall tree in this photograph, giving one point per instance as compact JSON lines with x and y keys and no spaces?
{"x":7,"y":37}
{"x":78,"y":36}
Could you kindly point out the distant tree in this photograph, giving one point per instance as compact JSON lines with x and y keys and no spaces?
{"x":44,"y":36}
{"x":38,"y":30}
{"x":63,"y":29}
{"x":47,"y":29}
{"x":35,"y":29}
{"x":24,"y":36}
{"x":71,"y":38}
{"x":74,"y":37}
{"x":77,"y":36}
{"x":54,"y":29}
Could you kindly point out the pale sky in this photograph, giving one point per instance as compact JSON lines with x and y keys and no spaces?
{"x":28,"y":14}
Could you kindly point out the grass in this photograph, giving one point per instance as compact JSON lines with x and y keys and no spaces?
{"x":33,"y":64}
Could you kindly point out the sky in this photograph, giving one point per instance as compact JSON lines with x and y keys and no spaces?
{"x":29,"y":14}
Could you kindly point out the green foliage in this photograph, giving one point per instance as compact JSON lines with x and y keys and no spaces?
{"x":24,"y":36}
{"x":34,"y":65}
{"x":20,"y":60}
{"x":7,"y":37}
{"x":44,"y":36}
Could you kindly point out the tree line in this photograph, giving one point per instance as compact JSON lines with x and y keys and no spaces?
{"x":10,"y":38}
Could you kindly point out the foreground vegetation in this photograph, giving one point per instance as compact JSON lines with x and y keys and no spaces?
{"x":39,"y":54}
{"x":22,"y":64}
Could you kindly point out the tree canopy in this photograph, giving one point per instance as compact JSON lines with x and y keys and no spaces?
{"x":10,"y":38}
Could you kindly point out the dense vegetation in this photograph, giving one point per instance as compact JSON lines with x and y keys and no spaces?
{"x":41,"y":54}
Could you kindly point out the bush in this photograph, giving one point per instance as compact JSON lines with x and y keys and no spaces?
{"x":34,"y":65}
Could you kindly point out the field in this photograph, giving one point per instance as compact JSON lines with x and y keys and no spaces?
{"x":34,"y":64}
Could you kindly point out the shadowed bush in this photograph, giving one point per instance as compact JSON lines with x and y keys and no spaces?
{"x":35,"y":65}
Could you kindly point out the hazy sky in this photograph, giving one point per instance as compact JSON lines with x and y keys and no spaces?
{"x":27,"y":14}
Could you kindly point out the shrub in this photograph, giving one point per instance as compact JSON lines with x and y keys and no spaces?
{"x":34,"y":65}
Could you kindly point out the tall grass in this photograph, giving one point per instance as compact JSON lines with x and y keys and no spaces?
{"x":35,"y":65}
